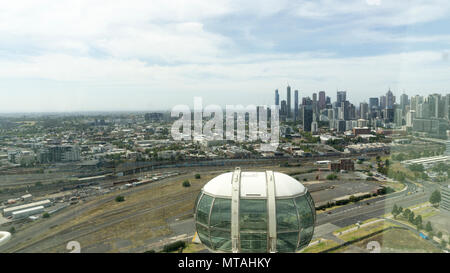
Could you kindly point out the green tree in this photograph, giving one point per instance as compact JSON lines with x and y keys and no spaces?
{"x":186,"y":183}
{"x":435,"y":197}
{"x":411,"y":217}
{"x":46,"y":215}
{"x":331,"y":177}
{"x":12,"y":230}
{"x":439,"y":234}
{"x":395,"y":211}
{"x":428,"y":227}
{"x":120,"y":198}
{"x":197,"y":176}
{"x":406,"y":213}
{"x":418,"y":220}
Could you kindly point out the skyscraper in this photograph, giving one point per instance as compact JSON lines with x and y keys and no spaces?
{"x":307,"y":117}
{"x":295,"y":105}
{"x":322,"y":100}
{"x":403,"y":101}
{"x":364,"y":110}
{"x":289,"y":113}
{"x":373,"y":104}
{"x":340,"y":97}
{"x":390,"y":100}
{"x":283,"y":110}
{"x":277,"y":97}
{"x":383,"y":102}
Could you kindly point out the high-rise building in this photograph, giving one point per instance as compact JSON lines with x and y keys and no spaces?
{"x":322,"y":100}
{"x":295,"y":105}
{"x":277,"y":98}
{"x":410,"y":116}
{"x":383,"y":102}
{"x":289,"y":113}
{"x":390,"y":100}
{"x":344,"y":110}
{"x":373,"y":104}
{"x":404,"y":101}
{"x":283,"y":109}
{"x":364,"y":110}
{"x":340,"y":97}
{"x":398,"y":117}
{"x":306,"y":101}
{"x":307,"y":114}
{"x":447,"y":106}
{"x":314,"y":127}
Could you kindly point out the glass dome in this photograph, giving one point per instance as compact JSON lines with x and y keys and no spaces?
{"x":272,"y":212}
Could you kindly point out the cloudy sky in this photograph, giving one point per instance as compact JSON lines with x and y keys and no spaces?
{"x":90,"y":55}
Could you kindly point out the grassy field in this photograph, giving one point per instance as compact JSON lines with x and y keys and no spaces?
{"x":353,"y":226}
{"x":322,"y":246}
{"x":401,"y":241}
{"x":193,"y":248}
{"x":365,"y":231}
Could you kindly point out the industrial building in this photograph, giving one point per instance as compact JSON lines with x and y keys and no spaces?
{"x":19,"y":214}
{"x":427,"y":161}
{"x":9,"y":211}
{"x":254,"y":212}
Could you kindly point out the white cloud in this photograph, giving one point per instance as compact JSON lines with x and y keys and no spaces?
{"x":165,"y":47}
{"x":385,"y":13}
{"x":224,"y":82}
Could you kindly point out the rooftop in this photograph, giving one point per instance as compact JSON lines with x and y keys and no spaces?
{"x":253,"y":184}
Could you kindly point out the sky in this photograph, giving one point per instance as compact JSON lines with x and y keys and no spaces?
{"x":125,"y":55}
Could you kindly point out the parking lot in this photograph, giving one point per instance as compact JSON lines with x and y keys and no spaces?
{"x":346,"y":184}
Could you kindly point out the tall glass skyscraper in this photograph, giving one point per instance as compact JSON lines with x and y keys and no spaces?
{"x":289,"y":110}
{"x":277,"y":97}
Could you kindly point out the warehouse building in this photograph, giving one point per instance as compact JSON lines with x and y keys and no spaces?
{"x":27,"y":212}
{"x":9,"y":211}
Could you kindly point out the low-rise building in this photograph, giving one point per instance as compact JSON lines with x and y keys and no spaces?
{"x":343,"y":164}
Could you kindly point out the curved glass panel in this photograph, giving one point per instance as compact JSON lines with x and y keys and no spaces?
{"x":221,"y":240}
{"x":196,"y":201}
{"x":287,"y":241}
{"x":221,"y":214}
{"x":253,"y":215}
{"x":306,"y":236}
{"x":304,"y":212}
{"x":203,"y":209}
{"x":287,"y":219}
{"x":203,"y":234}
{"x":312,"y":205}
{"x":253,"y":242}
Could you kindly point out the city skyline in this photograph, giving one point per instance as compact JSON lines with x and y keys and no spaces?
{"x":83,"y":57}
